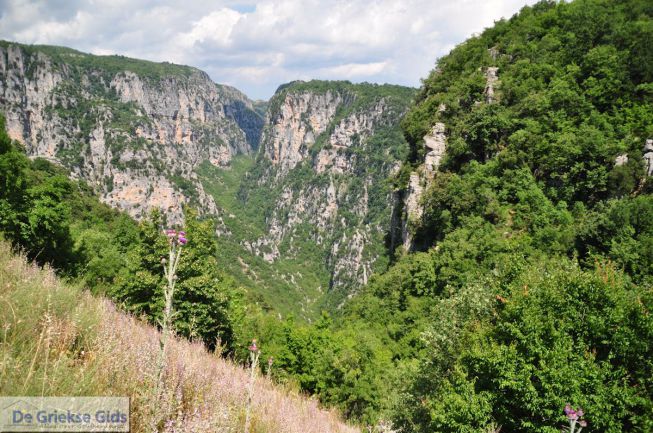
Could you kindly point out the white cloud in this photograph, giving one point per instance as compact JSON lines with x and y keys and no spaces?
{"x":353,"y":70}
{"x":256,"y":46}
{"x":215,"y":27}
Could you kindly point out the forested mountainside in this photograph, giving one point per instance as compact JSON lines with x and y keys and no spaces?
{"x":307,"y":219}
{"x":526,"y":203}
{"x":520,"y":274}
{"x":135,"y":131}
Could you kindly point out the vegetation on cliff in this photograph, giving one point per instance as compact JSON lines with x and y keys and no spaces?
{"x":531,"y":286}
{"x":296,"y":273}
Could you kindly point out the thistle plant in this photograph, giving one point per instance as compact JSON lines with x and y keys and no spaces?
{"x":269,"y":370}
{"x":574,"y":416}
{"x":253,"y":358}
{"x":176,"y":241}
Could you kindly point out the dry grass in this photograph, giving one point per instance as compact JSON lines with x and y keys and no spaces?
{"x":58,"y":340}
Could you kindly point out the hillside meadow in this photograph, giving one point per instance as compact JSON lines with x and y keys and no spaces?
{"x":57,"y":339}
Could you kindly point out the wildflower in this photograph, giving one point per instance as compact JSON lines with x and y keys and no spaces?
{"x":568,"y":409}
{"x":574,"y":416}
{"x":170,"y":273}
{"x":253,"y":355}
{"x":571,"y":413}
{"x":176,"y":238}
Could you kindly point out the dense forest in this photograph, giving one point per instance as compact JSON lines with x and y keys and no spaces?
{"x":531,"y":286}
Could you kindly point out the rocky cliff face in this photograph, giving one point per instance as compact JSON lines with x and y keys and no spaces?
{"x":295,"y":124}
{"x":330,"y":148}
{"x":135,"y":131}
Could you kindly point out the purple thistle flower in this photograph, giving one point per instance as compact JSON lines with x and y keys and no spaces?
{"x":182,"y":234}
{"x":253,"y":347}
{"x":182,"y":240}
{"x":170,"y":233}
{"x":580,"y":412}
{"x":568,"y":409}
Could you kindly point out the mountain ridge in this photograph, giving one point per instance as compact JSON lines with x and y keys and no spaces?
{"x":135,"y":138}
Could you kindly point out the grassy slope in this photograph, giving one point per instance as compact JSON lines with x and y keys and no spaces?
{"x":56,"y":339}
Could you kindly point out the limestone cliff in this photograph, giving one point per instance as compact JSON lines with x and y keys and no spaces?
{"x":134,"y":130}
{"x":329,"y":148}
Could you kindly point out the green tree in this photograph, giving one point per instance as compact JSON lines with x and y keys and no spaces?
{"x":207,"y":303}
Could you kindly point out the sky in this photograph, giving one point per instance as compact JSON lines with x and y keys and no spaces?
{"x":256,"y":46}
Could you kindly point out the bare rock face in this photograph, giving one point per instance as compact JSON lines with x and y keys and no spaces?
{"x":412,"y":208}
{"x":135,"y":137}
{"x":621,"y":160}
{"x":293,"y":128}
{"x":349,"y":133}
{"x":319,"y":147}
{"x":436,"y":144}
{"x":492,"y":80}
{"x":436,"y":147}
{"x":648,"y":156}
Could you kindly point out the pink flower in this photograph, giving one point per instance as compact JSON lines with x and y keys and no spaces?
{"x":573,"y":414}
{"x":182,"y":240}
{"x":583,"y":423}
{"x":253,"y":347}
{"x":170,"y":233}
{"x":568,"y":409}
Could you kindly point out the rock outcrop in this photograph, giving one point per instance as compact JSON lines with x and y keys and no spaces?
{"x":491,"y":82}
{"x":648,"y":157}
{"x":412,"y":209}
{"x":292,"y":128}
{"x":435,"y":143}
{"x":436,"y":146}
{"x":134,"y":130}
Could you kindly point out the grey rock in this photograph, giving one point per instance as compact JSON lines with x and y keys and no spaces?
{"x":492,"y":79}
{"x":648,"y":156}
{"x":621,"y":160}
